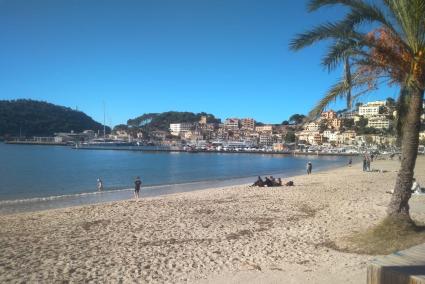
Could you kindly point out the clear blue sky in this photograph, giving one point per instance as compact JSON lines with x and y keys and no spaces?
{"x":226,"y":57}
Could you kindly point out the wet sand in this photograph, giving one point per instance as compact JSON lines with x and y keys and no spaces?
{"x":235,"y":234}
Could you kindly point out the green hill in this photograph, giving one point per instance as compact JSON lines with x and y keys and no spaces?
{"x":161,"y":121}
{"x":36,"y":118}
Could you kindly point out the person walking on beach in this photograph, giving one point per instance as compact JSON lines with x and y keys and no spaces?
{"x":368,"y":164}
{"x":309,"y":168}
{"x":99,"y":184}
{"x":137,"y":185}
{"x":364,"y":163}
{"x":350,"y":161}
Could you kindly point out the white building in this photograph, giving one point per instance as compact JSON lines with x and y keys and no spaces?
{"x":349,"y":134}
{"x":348,"y":137}
{"x":379,"y":122}
{"x":377,"y":103}
{"x":177,"y":128}
{"x":332,"y":136}
{"x":266,"y":140}
{"x":311,"y":137}
{"x":327,"y":133}
{"x":264,"y":128}
{"x":369,"y":111}
{"x":231,"y":123}
{"x":312,"y":126}
{"x":372,"y":108}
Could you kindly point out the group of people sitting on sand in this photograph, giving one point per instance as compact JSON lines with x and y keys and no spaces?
{"x":271,"y":182}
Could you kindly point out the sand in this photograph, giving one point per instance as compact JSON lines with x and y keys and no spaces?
{"x":236,"y":234}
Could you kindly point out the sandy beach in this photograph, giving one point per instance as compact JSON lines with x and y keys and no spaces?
{"x":224,"y":235}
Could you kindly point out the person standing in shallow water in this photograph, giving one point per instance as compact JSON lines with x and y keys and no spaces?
{"x":99,"y":185}
{"x":137,"y":185}
{"x":309,"y":168}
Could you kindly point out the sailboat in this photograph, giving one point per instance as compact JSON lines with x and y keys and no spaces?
{"x":104,"y":143}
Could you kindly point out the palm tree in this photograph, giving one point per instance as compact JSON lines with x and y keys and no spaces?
{"x":392,"y":51}
{"x":347,"y":74}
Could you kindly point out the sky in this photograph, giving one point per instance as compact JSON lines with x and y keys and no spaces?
{"x":230,"y":58}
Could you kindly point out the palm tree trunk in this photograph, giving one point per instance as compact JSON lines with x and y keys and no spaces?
{"x":402,"y":109}
{"x":399,"y":205}
{"x":347,"y":69}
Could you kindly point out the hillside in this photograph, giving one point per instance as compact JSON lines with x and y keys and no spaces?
{"x":161,"y":121}
{"x":36,"y":118}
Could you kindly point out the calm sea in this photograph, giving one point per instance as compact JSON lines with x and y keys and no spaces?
{"x":42,"y":177}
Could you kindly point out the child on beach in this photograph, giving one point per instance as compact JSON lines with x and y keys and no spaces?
{"x":137,"y":185}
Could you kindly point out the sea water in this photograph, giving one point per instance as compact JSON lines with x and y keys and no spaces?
{"x":41,"y":177}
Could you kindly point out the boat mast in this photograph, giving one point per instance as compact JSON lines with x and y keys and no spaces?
{"x":104,"y":118}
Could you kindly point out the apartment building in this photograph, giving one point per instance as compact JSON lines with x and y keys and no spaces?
{"x":232,"y":123}
{"x":377,"y":103}
{"x":336,"y":123}
{"x":348,"y":137}
{"x":264,"y":128}
{"x":311,"y":137}
{"x":329,"y":115}
{"x":379,"y":122}
{"x":203,"y":120}
{"x":248,"y":123}
{"x":177,"y":128}
{"x":266,"y":140}
{"x":369,"y":111}
{"x":332,"y":136}
{"x":312,"y":126}
{"x":372,"y":108}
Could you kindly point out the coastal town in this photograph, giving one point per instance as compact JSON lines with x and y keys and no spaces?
{"x":371,"y":125}
{"x":212,"y":142}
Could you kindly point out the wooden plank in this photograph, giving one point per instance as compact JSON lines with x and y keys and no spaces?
{"x":404,"y":267}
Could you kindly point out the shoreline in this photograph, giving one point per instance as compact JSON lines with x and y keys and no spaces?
{"x":294,"y":153}
{"x":43,"y":203}
{"x":156,"y":149}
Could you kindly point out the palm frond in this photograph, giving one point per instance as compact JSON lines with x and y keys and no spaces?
{"x":367,"y":14}
{"x":343,"y":89}
{"x":314,"y":5}
{"x":409,"y":15}
{"x":338,"y":90}
{"x":338,"y":52}
{"x":325,"y":31}
{"x":360,"y":11}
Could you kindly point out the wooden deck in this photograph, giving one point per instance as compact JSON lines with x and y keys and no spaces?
{"x":403,"y":267}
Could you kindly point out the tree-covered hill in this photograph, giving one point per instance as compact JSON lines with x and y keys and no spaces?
{"x":36,"y":118}
{"x":161,"y":121}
